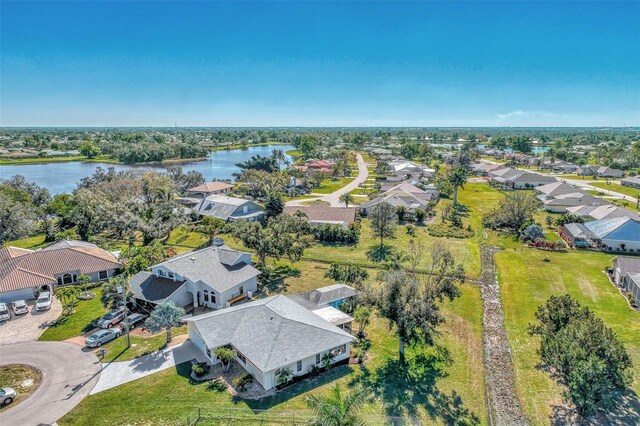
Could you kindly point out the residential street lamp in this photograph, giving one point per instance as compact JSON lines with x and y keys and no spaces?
{"x":123,"y":298}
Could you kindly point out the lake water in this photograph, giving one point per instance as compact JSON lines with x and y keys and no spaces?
{"x":63,"y":177}
{"x":535,"y":150}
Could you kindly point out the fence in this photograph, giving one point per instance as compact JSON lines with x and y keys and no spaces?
{"x":237,"y":416}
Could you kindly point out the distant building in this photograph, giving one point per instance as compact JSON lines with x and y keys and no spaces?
{"x":632,"y":181}
{"x":626,"y":274}
{"x":322,"y":214}
{"x":210,"y":188}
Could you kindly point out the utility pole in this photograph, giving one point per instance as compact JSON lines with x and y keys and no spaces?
{"x":123,"y":298}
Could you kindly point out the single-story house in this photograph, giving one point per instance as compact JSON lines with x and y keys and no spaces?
{"x":404,"y":195}
{"x":609,"y":172}
{"x":214,"y":277}
{"x":210,"y":188}
{"x":607,"y":211}
{"x":632,"y":181}
{"x":322,"y":214}
{"x":618,"y":234}
{"x":230,"y":209}
{"x":24,"y":273}
{"x":269,"y":336}
{"x":626,"y":274}
{"x":519,"y":179}
{"x":560,"y":203}
{"x":557,"y":188}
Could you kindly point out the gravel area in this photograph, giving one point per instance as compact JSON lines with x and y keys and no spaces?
{"x":504,"y":407}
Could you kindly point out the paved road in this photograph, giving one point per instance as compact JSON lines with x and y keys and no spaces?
{"x":68,"y":375}
{"x":118,"y":373}
{"x":28,"y":327}
{"x":584,"y":184}
{"x":334,"y":198}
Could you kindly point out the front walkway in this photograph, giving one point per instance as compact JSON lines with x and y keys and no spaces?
{"x":118,"y":373}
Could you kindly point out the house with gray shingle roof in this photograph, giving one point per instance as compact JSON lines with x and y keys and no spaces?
{"x":214,"y":277}
{"x":230,"y":209}
{"x":626,"y":274}
{"x":269,"y":336}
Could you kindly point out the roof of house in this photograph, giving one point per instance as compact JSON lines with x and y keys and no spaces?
{"x":557,"y":188}
{"x":271,"y":333}
{"x":333,"y":315}
{"x":609,"y":211}
{"x":220,"y":206}
{"x":578,"y":231}
{"x":220,"y":267}
{"x":324,"y":213}
{"x":627,"y":264}
{"x":632,"y":179}
{"x":214,"y":186}
{"x":619,"y":228}
{"x":399,"y":198}
{"x":323,"y":295}
{"x":151,"y":288}
{"x":20,"y":268}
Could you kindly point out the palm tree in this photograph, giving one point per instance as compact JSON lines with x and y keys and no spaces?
{"x":278,"y":154}
{"x":347,"y":198}
{"x":165,"y":315}
{"x":338,"y":408}
{"x":457,"y":178}
{"x":68,"y":296}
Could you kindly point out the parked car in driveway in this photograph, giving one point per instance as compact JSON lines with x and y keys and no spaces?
{"x":111,"y":318}
{"x":44,"y":301}
{"x":5,"y":315}
{"x":7,"y":396}
{"x":134,"y":320}
{"x":101,"y":337}
{"x":20,"y":307}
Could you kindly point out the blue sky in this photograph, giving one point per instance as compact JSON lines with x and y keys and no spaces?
{"x":320,"y":64}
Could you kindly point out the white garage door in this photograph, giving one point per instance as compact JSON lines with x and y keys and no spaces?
{"x":11,"y":296}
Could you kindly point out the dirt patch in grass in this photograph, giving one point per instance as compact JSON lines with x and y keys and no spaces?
{"x":24,"y":379}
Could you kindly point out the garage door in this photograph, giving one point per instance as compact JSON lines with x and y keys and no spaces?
{"x":11,"y":296}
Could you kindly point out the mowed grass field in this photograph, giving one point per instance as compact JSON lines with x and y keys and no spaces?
{"x":443,"y":385}
{"x":527,"y":281}
{"x":626,"y":190}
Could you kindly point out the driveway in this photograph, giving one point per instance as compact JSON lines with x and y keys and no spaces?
{"x":28,"y":327}
{"x":117,"y":373}
{"x":68,"y":375}
{"x":334,"y":198}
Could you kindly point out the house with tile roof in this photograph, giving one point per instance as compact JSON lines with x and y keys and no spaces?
{"x":322,"y":214}
{"x":24,"y":273}
{"x":213,"y":277}
{"x":270,"y":336}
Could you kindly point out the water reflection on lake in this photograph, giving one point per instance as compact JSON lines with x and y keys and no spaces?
{"x":63,"y":177}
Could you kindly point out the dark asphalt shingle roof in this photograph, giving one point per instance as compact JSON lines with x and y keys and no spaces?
{"x":146,"y":286}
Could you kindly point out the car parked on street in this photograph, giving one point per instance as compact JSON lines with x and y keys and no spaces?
{"x":5,"y":315}
{"x":44,"y":301}
{"x":101,"y":337}
{"x":20,"y":307}
{"x":111,"y":318}
{"x":7,"y":396}
{"x":134,"y":320}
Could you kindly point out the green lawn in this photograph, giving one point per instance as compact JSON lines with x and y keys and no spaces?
{"x":31,"y":243}
{"x":329,"y":185}
{"x":80,"y":322}
{"x":527,"y":281}
{"x":21,"y":378}
{"x":441,"y":387}
{"x":116,"y":349}
{"x":626,"y":190}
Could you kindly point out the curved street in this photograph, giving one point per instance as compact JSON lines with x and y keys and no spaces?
{"x":334,"y":198}
{"x":68,"y":375}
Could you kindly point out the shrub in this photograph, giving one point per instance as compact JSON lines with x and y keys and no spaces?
{"x":446,"y":230}
{"x":242,"y":381}
{"x":533,"y":233}
{"x":411,"y":230}
{"x":200,"y":369}
{"x":337,"y":234}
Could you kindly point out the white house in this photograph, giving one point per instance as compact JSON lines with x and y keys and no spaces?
{"x":215,"y":277}
{"x":618,"y":234}
{"x":626,"y":274}
{"x":230,"y":209}
{"x":270,"y":335}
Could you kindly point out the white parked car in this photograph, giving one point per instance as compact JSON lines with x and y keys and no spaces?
{"x":5,"y":315}
{"x":20,"y":307}
{"x":44,"y":301}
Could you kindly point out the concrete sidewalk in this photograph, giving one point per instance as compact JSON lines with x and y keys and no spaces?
{"x":117,"y":373}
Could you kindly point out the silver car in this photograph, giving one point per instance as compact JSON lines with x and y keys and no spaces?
{"x":7,"y":396}
{"x":20,"y":307}
{"x":111,"y":318}
{"x":5,"y":315}
{"x":101,"y":337}
{"x":44,"y":301}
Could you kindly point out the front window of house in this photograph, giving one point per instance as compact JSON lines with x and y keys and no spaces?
{"x":161,"y":273}
{"x":317,"y":358}
{"x":241,"y":290}
{"x":171,"y":275}
{"x":299,"y":366}
{"x":103,"y":275}
{"x":213,"y":297}
{"x":242,"y":358}
{"x":339,"y":350}
{"x":59,"y":280}
{"x":206,"y":295}
{"x":67,"y":279}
